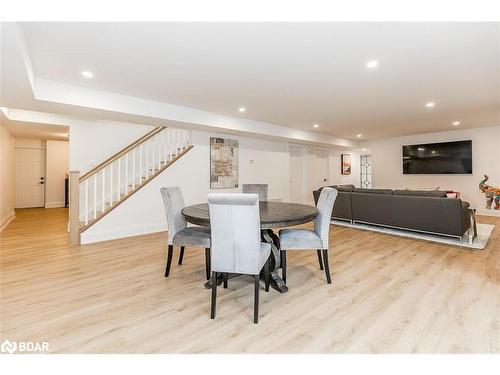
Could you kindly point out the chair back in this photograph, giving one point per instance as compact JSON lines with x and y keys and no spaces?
{"x":325,"y":206}
{"x":259,"y":189}
{"x":174,"y":203}
{"x":235,"y":232}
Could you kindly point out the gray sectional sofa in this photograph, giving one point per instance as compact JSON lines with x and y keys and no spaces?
{"x":422,"y":211}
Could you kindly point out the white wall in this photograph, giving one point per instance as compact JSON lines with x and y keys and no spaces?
{"x":57,"y":164}
{"x":334,"y":177}
{"x":7,"y":177}
{"x":31,"y":143}
{"x":93,"y":142}
{"x":388,"y":169}
{"x":260,"y":161}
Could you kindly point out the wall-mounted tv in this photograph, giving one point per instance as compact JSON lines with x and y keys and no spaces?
{"x":438,"y":158}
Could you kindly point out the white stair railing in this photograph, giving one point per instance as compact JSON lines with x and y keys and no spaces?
{"x":118,"y":177}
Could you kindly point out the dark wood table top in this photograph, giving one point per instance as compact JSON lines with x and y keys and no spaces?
{"x":272,"y":214}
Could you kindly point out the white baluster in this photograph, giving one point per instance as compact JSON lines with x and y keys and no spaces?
{"x":140,"y":164}
{"x":160,"y":138}
{"x":133,"y":169}
{"x":95,"y":196}
{"x":103,"y":199}
{"x":174,"y":143}
{"x":119,"y":179}
{"x":126,"y":174}
{"x":153,"y":153}
{"x":147,"y":159}
{"x":167,"y":148}
{"x":111,"y":185}
{"x":86,"y":201}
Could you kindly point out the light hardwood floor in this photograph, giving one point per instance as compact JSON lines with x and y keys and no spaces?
{"x":389,"y":295}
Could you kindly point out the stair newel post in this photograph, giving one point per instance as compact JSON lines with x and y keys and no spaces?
{"x":74,"y":207}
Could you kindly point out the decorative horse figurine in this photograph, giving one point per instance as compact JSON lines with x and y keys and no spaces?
{"x":491,"y":193}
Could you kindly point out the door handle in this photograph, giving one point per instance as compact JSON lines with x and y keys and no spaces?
{"x":42,"y":178}
{"x":41,"y":182}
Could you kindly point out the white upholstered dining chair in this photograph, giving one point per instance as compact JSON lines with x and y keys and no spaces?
{"x":317,"y":239}
{"x":236,"y":245}
{"x":179,"y":234}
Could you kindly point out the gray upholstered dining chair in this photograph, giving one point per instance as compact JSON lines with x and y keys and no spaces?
{"x":236,"y":245}
{"x":179,"y":234}
{"x":317,"y":239}
{"x":259,"y":189}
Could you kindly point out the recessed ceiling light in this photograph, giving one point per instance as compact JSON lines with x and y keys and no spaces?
{"x":433,"y":151}
{"x":430,"y":104}
{"x":316,"y":125}
{"x":242,"y":109}
{"x":359,"y":135}
{"x":87,"y":74}
{"x":456,"y":123}
{"x":372,"y":64}
{"x":421,"y":149}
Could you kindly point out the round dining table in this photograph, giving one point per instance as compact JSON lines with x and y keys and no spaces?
{"x":273,"y":215}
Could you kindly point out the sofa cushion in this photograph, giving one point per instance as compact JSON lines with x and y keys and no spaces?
{"x":344,"y":187}
{"x":421,"y":193}
{"x":373,"y":191}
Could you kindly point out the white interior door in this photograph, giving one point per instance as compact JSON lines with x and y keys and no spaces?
{"x":321,"y":178}
{"x":296,"y":174}
{"x":30,"y":177}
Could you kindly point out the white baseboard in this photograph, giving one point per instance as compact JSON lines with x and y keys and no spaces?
{"x":7,"y":219}
{"x":54,"y":204}
{"x":93,"y":236}
{"x":486,"y":212}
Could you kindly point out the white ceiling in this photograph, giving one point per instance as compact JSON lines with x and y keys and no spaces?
{"x":21,"y":129}
{"x":292,"y":74}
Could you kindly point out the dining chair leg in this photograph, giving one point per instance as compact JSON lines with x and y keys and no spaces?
{"x":169,"y":259}
{"x":225,"y":277}
{"x":283,"y":265}
{"x":320,"y":260}
{"x":327,"y":266}
{"x":181,"y":255}
{"x":214,"y":295}
{"x":256,"y":299}
{"x":207,"y":262}
{"x":266,"y":274}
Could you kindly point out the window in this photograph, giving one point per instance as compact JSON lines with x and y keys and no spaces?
{"x":366,"y":171}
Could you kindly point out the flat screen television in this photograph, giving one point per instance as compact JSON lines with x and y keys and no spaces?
{"x":438,"y":158}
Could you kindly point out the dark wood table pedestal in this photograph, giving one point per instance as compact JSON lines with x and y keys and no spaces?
{"x":276,"y":282}
{"x":272,"y":215}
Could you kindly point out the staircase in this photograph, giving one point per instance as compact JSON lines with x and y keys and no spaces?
{"x":116,"y":179}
